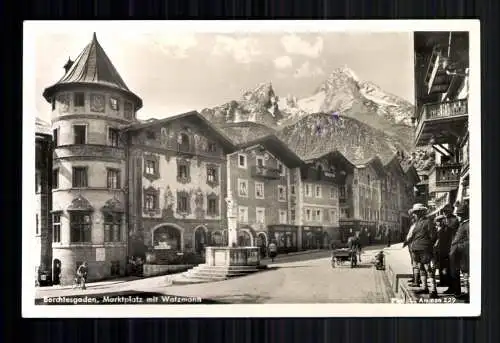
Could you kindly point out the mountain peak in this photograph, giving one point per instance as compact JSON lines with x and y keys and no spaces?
{"x":345,"y":70}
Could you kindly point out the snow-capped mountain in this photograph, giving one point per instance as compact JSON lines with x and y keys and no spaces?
{"x":343,"y":92}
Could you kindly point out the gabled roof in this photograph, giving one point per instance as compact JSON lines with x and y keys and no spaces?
{"x":276,"y":147}
{"x":334,"y":154}
{"x":411,"y":173}
{"x":394,"y":162}
{"x":92,"y":66}
{"x":192,"y":115}
{"x":376,"y":163}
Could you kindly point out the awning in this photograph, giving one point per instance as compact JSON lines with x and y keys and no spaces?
{"x":441,"y":203}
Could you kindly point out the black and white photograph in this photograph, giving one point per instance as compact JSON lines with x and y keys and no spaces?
{"x":249,"y":169}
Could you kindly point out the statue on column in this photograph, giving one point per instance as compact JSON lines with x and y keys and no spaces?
{"x":231,"y":222}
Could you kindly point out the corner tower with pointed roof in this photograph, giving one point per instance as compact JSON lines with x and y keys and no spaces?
{"x":90,"y":104}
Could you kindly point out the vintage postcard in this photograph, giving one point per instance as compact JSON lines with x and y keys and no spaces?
{"x":251,"y":169}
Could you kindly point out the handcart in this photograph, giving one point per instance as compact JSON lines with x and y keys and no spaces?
{"x":343,"y":255}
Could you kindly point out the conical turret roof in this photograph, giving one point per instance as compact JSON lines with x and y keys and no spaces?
{"x":92,"y":66}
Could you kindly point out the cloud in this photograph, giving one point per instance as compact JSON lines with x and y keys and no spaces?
{"x":243,"y":50}
{"x":307,"y":70}
{"x":282,"y":62}
{"x":175,"y":45}
{"x":293,"y":44}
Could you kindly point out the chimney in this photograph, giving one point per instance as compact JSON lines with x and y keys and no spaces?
{"x":68,"y":65}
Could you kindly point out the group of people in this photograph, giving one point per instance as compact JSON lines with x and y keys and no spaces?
{"x":442,"y":244}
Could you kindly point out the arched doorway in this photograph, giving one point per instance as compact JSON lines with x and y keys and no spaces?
{"x":200,"y":239}
{"x":56,"y":271}
{"x":245,"y":238}
{"x":168,"y":237}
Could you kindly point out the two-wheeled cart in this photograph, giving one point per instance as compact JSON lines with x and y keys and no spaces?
{"x":343,"y":256}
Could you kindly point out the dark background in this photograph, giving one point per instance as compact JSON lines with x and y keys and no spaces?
{"x":311,"y":330}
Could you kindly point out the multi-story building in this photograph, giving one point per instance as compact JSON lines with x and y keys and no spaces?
{"x":176,"y":178}
{"x":90,"y":104}
{"x":260,"y":182}
{"x":322,"y":197}
{"x":42,"y":231}
{"x":118,"y":187}
{"x":441,"y":69}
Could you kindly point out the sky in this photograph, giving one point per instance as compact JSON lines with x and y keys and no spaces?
{"x":175,"y":71}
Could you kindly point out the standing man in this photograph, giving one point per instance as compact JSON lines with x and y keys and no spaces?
{"x":449,"y":226}
{"x":415,"y":279}
{"x":422,"y":245}
{"x":273,"y":250}
{"x":459,"y":254}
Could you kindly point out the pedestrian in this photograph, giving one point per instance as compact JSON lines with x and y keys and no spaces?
{"x":273,"y":250}
{"x":354,"y":244}
{"x":388,"y":236}
{"x":422,"y":245}
{"x":414,"y":280}
{"x":81,"y":275}
{"x":459,"y":255}
{"x":448,"y":227}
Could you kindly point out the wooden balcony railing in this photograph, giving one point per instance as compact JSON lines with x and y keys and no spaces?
{"x":265,"y":172}
{"x":447,"y":175}
{"x":442,"y":110}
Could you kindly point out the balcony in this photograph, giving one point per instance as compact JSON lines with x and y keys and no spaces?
{"x":436,"y":78}
{"x":313,"y":174}
{"x":442,"y":122}
{"x":444,"y":178}
{"x":265,"y":172}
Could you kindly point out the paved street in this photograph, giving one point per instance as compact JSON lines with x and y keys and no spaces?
{"x":307,"y":278}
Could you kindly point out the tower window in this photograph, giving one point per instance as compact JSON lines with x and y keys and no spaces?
{"x":79,"y":177}
{"x":55,"y":137}
{"x":55,"y":178}
{"x":79,"y":99}
{"x":80,"y":134}
{"x":113,"y":136}
{"x":113,"y":179}
{"x":115,"y":105}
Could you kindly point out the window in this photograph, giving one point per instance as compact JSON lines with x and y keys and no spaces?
{"x":183,"y":142}
{"x":260,"y":161}
{"x":150,"y":135}
{"x":129,"y":110}
{"x":182,"y":203}
{"x":113,"y":180}
{"x":212,"y":206}
{"x":55,"y":178}
{"x":260,"y":215}
{"x":211,"y":175}
{"x":292,"y":189}
{"x":281,"y":193}
{"x":113,"y":136}
{"x":150,"y":201}
{"x":242,"y":161}
{"x":333,"y":192}
{"x":79,"y":177}
{"x":318,"y":191}
{"x":342,"y":191}
{"x":80,"y":228}
{"x":115,"y":105}
{"x":308,"y":214}
{"x":308,"y":190}
{"x":182,"y":171}
{"x":333,"y":216}
{"x":80,"y":134}
{"x":368,"y":179}
{"x":112,"y":227}
{"x":150,"y":167}
{"x":318,"y":215}
{"x":243,"y":214}
{"x":55,"y":137}
{"x":292,"y":216}
{"x":37,"y":227}
{"x":259,"y":190}
{"x":282,"y":214}
{"x":243,"y":188}
{"x":212,"y":147}
{"x":56,"y":228}
{"x":79,"y":99}
{"x":281,"y":168}
{"x":53,"y":104}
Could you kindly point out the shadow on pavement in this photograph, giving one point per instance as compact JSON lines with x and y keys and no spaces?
{"x":280,"y":267}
